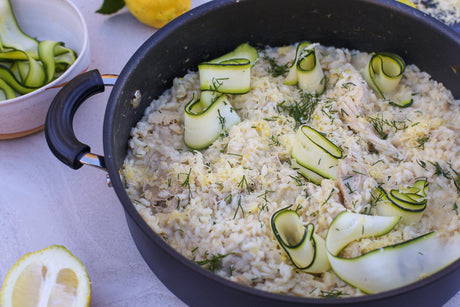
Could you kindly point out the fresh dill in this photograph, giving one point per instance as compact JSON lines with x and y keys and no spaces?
{"x":264,"y":205}
{"x":329,"y":197}
{"x":421,"y":163}
{"x":221,"y":120}
{"x":379,"y":126}
{"x":238,"y":208}
{"x":297,"y":180}
{"x":274,"y":141}
{"x":301,"y":110}
{"x":439,"y":171}
{"x":350,"y":190}
{"x":348,"y":85}
{"x":216,"y":83}
{"x":332,"y":294}
{"x":274,"y":68}
{"x":234,"y":154}
{"x":186,"y":184}
{"x":244,"y":184}
{"x":228,"y":199}
{"x":214,"y":262}
{"x":456,"y":179}
{"x":455,"y":208}
{"x":421,"y":142}
{"x":378,"y":161}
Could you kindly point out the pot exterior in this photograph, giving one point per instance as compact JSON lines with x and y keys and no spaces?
{"x":216,"y":28}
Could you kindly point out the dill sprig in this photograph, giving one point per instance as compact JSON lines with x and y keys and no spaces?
{"x":244,"y":184}
{"x":274,"y":68}
{"x":186,"y":184}
{"x":238,"y":208}
{"x":379,"y":126}
{"x":456,"y":179}
{"x":301,"y":110}
{"x":214,"y":263}
{"x":439,"y":171}
{"x":331,"y":294}
{"x":421,"y":142}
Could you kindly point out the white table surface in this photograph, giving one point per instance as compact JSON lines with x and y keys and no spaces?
{"x":44,"y":202}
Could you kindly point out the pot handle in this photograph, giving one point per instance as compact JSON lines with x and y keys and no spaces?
{"x":59,"y":131}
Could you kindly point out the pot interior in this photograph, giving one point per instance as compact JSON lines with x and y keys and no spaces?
{"x":219,"y":26}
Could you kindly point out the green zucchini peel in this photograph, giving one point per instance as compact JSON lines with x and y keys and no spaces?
{"x":203,"y":124}
{"x":305,"y":249}
{"x":388,"y":267}
{"x":306,"y":71}
{"x":409,"y":203}
{"x":383,"y":74}
{"x":314,"y":156}
{"x":27,"y":64}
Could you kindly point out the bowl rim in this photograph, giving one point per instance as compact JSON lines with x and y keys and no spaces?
{"x":60,"y":81}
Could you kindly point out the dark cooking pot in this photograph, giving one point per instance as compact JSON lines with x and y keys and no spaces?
{"x":214,"y":29}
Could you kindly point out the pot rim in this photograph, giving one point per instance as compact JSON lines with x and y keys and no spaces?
{"x":130,"y":210}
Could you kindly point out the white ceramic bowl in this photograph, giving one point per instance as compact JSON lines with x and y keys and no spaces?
{"x":57,"y":20}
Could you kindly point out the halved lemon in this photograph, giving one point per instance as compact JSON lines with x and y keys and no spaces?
{"x":49,"y":277}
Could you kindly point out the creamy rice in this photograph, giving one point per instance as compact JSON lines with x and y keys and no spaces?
{"x":216,"y":204}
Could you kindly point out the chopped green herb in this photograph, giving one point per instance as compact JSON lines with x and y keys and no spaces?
{"x":379,"y":126}
{"x":456,"y":179}
{"x":244,"y":184}
{"x":239,"y":207}
{"x":439,"y":171}
{"x":274,"y":68}
{"x":348,"y":85}
{"x":332,"y":294}
{"x":329,"y":197}
{"x":214,"y":263}
{"x":301,"y":110}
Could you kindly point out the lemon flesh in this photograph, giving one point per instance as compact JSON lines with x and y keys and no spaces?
{"x":408,"y":2}
{"x":48,"y":277}
{"x":157,"y":13}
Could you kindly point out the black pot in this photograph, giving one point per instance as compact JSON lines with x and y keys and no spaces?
{"x":214,"y":29}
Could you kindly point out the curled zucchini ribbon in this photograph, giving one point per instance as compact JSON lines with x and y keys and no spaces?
{"x":306,"y":250}
{"x":306,"y":70}
{"x":408,"y":203}
{"x":388,"y":267}
{"x":212,"y":115}
{"x":230,"y":73}
{"x":231,"y":76}
{"x":205,"y":123}
{"x":314,"y":156}
{"x":25,"y":63}
{"x":383,"y":73}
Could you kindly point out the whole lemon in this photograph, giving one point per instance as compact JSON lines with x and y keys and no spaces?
{"x":157,"y":13}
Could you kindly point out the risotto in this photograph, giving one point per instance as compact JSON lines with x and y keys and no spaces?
{"x":215,"y":205}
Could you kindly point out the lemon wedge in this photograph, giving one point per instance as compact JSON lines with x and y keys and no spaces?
{"x":409,"y":3}
{"x":49,"y":277}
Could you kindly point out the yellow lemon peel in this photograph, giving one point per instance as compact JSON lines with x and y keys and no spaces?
{"x":157,"y":13}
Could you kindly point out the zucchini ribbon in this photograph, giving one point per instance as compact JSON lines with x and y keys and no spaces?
{"x":305,"y":249}
{"x":306,"y":70}
{"x":27,"y":64}
{"x":383,"y":73}
{"x":212,"y":115}
{"x":388,"y":267}
{"x":314,"y":156}
{"x":408,"y":203}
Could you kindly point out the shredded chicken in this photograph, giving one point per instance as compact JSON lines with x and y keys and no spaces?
{"x":354,"y":94}
{"x":354,"y":182}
